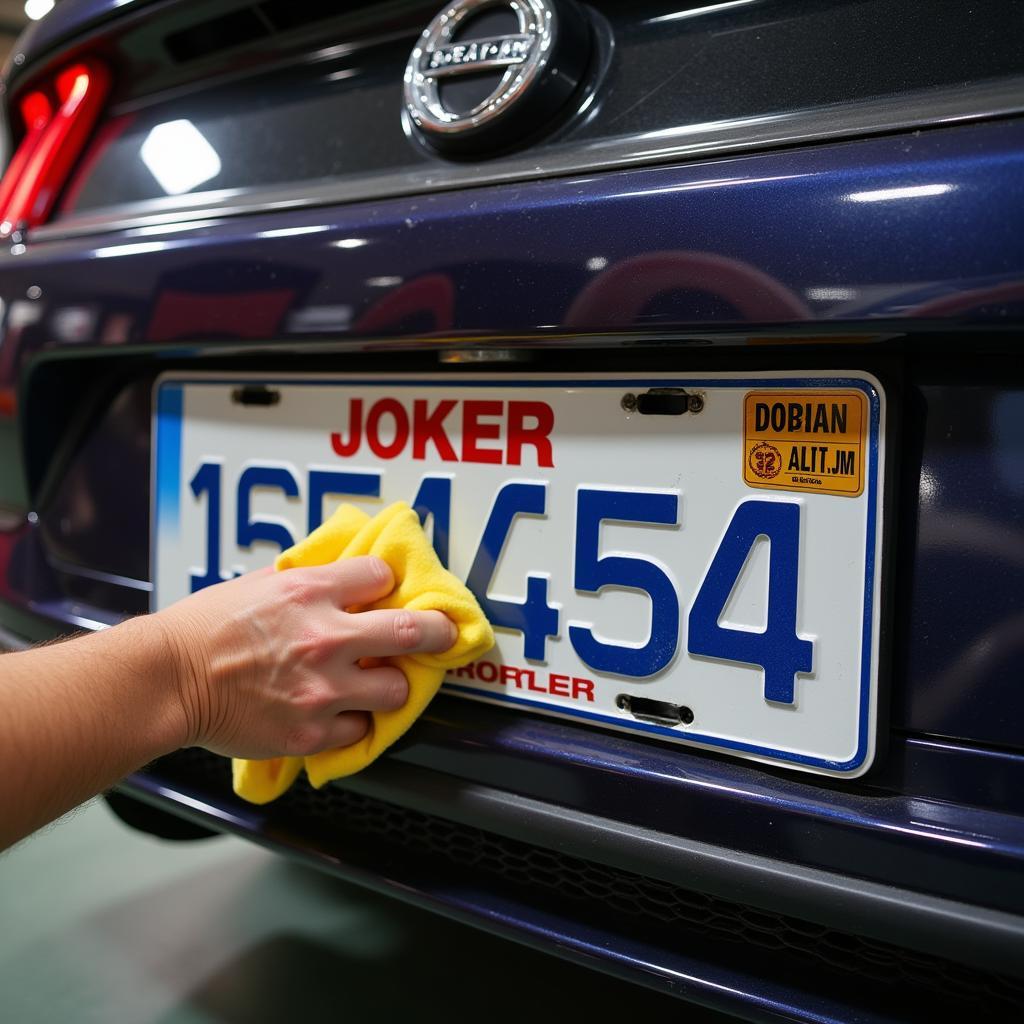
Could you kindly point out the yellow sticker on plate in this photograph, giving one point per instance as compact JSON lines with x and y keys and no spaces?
{"x":805,"y":441}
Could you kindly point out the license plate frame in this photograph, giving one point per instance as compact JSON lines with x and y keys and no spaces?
{"x":167,"y":448}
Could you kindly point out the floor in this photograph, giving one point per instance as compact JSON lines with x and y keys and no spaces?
{"x":102,"y":924}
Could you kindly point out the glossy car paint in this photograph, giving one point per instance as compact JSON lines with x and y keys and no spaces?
{"x":899,"y":241}
{"x":853,"y":233}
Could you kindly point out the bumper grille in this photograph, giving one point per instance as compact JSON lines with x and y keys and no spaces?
{"x":660,"y":908}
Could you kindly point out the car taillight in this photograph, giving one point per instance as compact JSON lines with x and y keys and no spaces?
{"x":54,"y":138}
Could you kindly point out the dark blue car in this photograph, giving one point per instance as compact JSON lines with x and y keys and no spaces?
{"x":690,"y":330}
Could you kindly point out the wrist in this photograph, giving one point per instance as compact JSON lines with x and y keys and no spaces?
{"x":156,"y":664}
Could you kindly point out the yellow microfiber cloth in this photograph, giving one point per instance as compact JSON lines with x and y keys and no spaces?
{"x":421,"y":584}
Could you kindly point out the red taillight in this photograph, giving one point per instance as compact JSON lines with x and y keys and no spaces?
{"x":36,"y":112}
{"x":53,"y":140}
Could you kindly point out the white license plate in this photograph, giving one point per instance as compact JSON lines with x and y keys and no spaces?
{"x":708,"y":576}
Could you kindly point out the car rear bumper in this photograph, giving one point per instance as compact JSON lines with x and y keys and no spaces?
{"x":762,"y":936}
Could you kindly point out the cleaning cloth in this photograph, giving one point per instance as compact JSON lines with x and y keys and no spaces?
{"x":421,"y":584}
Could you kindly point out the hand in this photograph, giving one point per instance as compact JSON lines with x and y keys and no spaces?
{"x":269,"y":664}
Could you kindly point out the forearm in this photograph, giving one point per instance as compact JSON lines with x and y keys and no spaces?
{"x":265,"y":665}
{"x":76,"y":717}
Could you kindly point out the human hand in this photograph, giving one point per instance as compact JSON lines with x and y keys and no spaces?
{"x":269,"y":664}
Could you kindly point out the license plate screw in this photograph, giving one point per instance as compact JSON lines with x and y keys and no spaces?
{"x":629,"y":402}
{"x":696,"y":403}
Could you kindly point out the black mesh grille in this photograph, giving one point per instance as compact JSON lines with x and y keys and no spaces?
{"x":588,"y":885}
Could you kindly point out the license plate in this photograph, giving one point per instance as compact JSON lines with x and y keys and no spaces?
{"x":692,"y":559}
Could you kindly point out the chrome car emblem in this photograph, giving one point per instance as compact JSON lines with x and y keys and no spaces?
{"x":525,"y":75}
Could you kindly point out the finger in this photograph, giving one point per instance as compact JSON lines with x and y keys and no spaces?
{"x":355,"y":581}
{"x":345,"y":729}
{"x":387,"y":632}
{"x":375,"y":689}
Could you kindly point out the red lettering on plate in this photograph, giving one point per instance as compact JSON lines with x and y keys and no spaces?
{"x":430,"y":427}
{"x":537,"y":434}
{"x":474,"y":431}
{"x":355,"y":430}
{"x":584,"y":687}
{"x":486,"y":671}
{"x":387,"y":407}
{"x":555,"y":683}
{"x":558,"y":685}
{"x":520,"y":424}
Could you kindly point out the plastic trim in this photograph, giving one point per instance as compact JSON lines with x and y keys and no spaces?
{"x":990,"y":940}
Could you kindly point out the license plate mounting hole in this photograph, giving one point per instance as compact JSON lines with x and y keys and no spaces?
{"x":658,"y":712}
{"x":663,"y":402}
{"x":255,"y":394}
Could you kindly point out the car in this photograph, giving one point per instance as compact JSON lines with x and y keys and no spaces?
{"x":691,"y":331}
